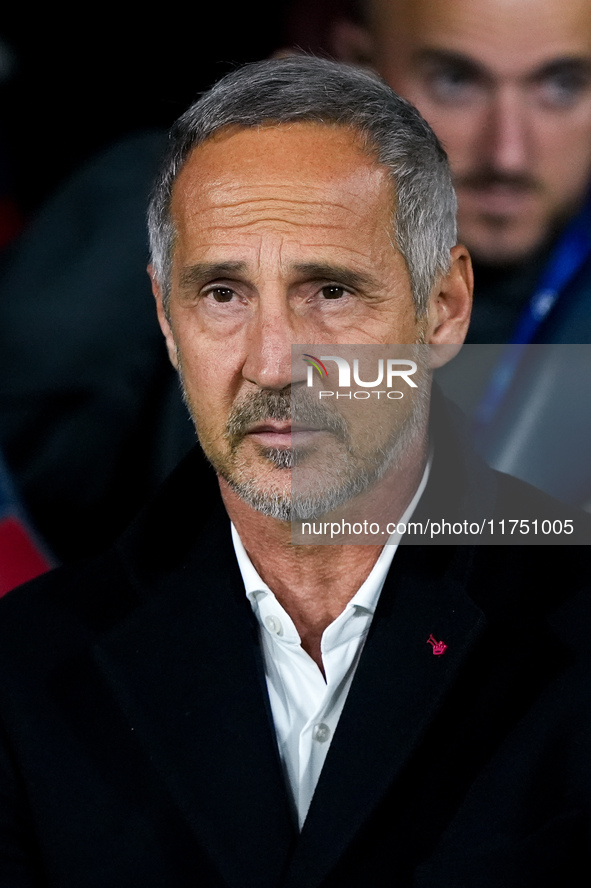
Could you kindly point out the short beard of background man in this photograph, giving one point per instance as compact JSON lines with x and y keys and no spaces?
{"x":209,"y":704}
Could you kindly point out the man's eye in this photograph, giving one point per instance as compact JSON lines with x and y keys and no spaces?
{"x":450,"y":85}
{"x":222,"y":294}
{"x":332,"y":291}
{"x":562,"y":89}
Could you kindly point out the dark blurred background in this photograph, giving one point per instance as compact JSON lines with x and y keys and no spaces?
{"x":86,"y":96}
{"x":73,"y":82}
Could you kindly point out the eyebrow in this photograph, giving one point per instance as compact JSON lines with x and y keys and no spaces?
{"x":354,"y":280}
{"x":562,"y":64}
{"x":432,"y":55}
{"x":202,"y":272}
{"x":565,"y":65}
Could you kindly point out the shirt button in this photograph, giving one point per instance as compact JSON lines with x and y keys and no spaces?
{"x":273,"y":624}
{"x":321,"y":732}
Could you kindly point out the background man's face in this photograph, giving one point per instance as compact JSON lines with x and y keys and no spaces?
{"x":506,"y":85}
{"x":283,"y":236}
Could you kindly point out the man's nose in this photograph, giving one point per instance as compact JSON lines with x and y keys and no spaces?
{"x":270,"y":335}
{"x":507,"y":142}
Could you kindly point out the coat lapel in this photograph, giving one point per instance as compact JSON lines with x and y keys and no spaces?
{"x":186,"y":670}
{"x":404,"y":675}
{"x":399,"y":688}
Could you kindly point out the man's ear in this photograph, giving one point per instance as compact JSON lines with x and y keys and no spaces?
{"x":350,"y":42}
{"x":162,"y":319}
{"x":450,"y":305}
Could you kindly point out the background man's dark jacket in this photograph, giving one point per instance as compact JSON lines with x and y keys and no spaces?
{"x":137,"y":746}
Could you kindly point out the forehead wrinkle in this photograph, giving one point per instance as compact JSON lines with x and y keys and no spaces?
{"x":275,"y":220}
{"x":227,"y":193}
{"x":296,"y":224}
{"x":324,"y":191}
{"x":321,"y":239}
{"x":334,"y":215}
{"x":288,"y":207}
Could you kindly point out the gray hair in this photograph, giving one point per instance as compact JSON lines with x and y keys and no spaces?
{"x":314,"y":90}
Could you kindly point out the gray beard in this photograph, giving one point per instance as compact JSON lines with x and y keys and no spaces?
{"x":277,"y":405}
{"x":263,"y":405}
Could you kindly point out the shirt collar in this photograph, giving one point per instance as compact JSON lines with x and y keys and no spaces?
{"x":368,"y":593}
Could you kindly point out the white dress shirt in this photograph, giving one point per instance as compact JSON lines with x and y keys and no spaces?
{"x":306,"y":707}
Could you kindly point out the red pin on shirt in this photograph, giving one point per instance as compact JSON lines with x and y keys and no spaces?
{"x":439,"y":647}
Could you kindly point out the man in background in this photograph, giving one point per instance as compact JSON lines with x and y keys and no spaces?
{"x":506,"y":85}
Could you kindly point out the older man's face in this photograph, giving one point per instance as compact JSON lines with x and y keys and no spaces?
{"x":506,"y":85}
{"x":284,"y":235}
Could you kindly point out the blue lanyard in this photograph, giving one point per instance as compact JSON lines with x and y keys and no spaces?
{"x":567,"y":257}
